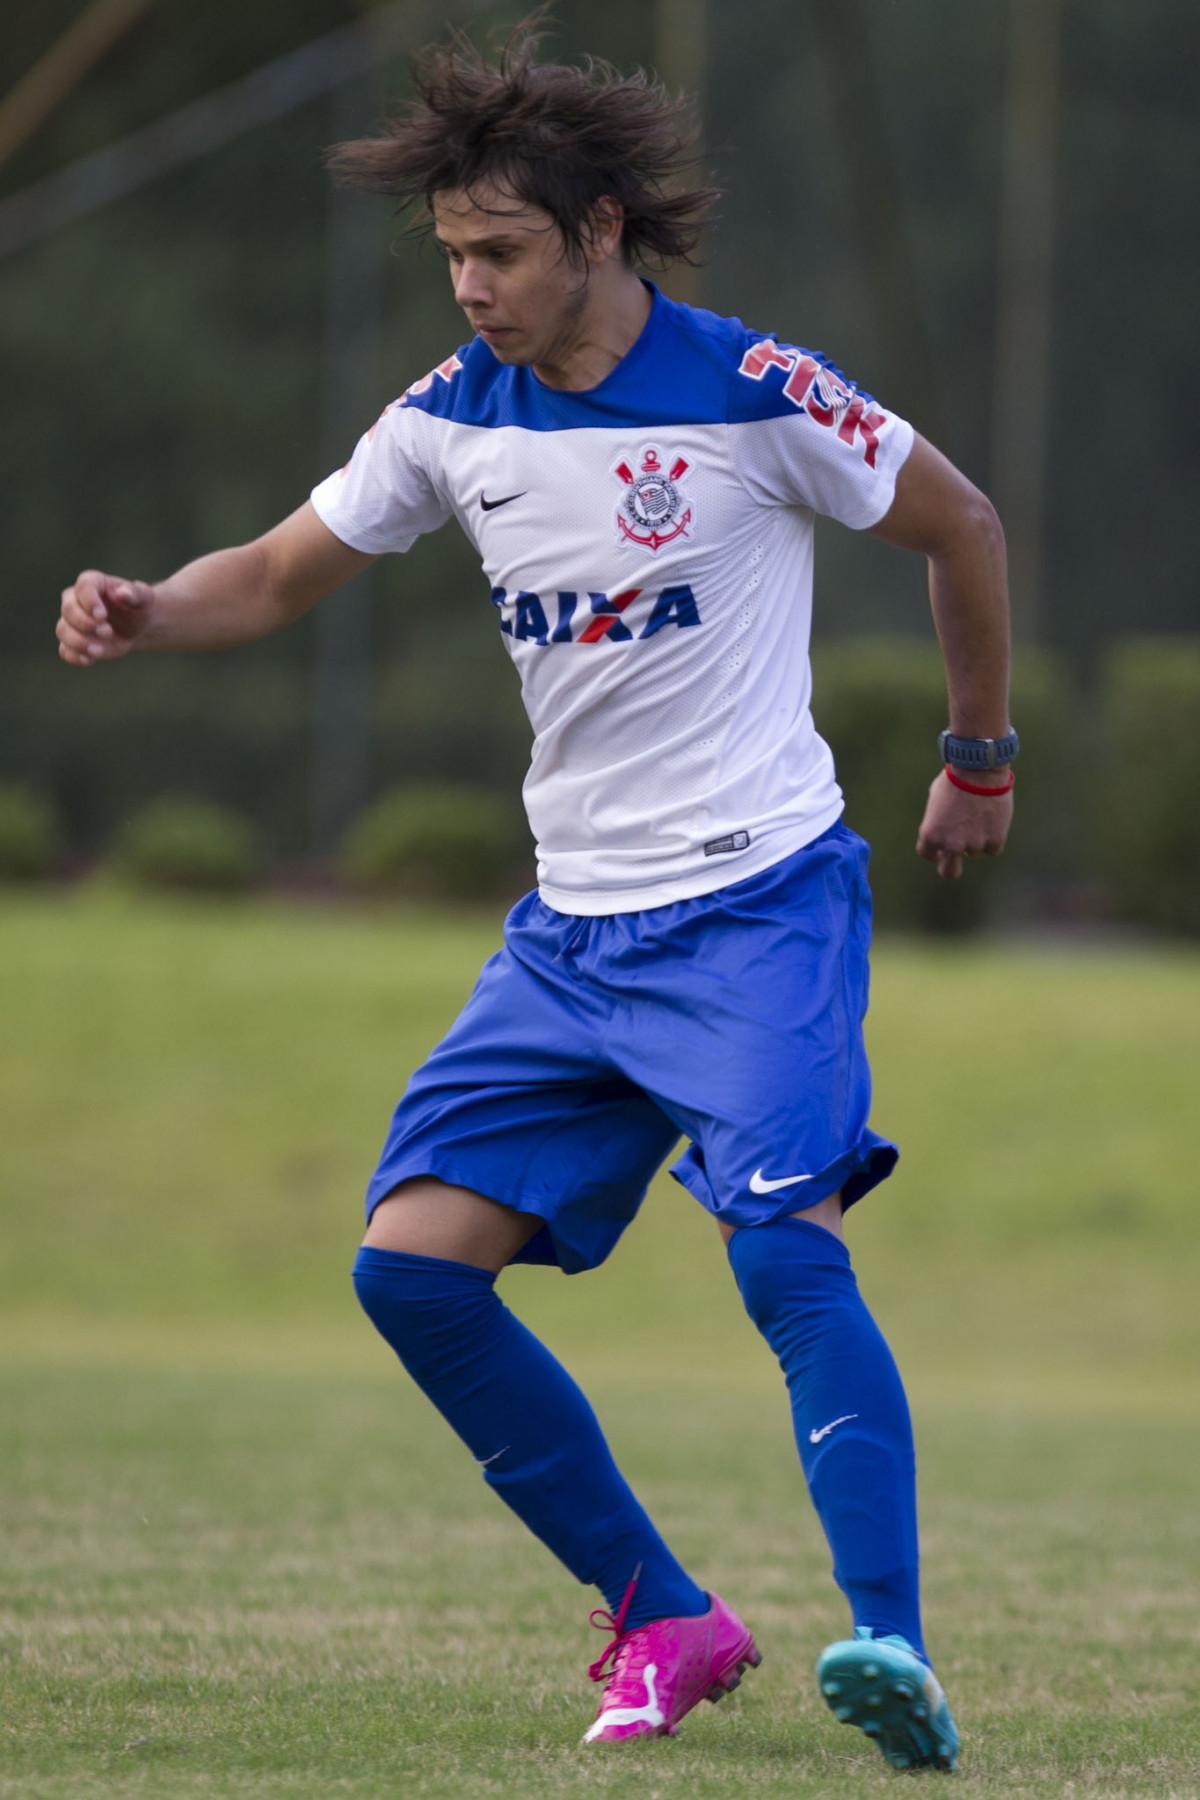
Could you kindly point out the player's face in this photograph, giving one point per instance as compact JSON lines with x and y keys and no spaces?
{"x":524,"y":296}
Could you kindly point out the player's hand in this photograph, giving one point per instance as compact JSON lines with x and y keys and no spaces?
{"x":101,"y":618}
{"x":957,"y":825}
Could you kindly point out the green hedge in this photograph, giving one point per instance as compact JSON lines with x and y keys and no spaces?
{"x":237,"y":732}
{"x":1146,"y":815}
{"x":237,"y":728}
{"x":880,"y":703}
{"x":188,"y":845}
{"x":30,"y":840}
{"x":435,"y":841}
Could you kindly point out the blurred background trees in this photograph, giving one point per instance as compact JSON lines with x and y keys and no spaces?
{"x":182,"y":364}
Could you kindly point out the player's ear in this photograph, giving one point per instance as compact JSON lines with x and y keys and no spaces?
{"x":604,"y":229}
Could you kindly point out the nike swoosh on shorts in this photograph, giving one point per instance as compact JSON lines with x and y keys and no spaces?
{"x":760,"y":1185}
{"x":491,"y":505}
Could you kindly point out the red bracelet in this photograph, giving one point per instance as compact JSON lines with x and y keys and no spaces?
{"x":973,"y":787}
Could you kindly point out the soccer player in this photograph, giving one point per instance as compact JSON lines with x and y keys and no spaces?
{"x":640,"y":479}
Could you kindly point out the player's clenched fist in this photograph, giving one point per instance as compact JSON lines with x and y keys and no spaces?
{"x":957,"y":825}
{"x":101,"y":616}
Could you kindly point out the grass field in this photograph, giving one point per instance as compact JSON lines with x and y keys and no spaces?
{"x":240,"y":1556}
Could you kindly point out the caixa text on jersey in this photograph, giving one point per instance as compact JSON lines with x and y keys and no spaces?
{"x":574,"y":618}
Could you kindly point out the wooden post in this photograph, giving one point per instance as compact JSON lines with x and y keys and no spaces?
{"x":355,"y":255}
{"x":1021,"y":400}
{"x":44,"y":87}
{"x":680,"y":51}
{"x":909,"y":376}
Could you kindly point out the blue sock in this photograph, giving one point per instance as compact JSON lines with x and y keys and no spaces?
{"x":526,"y":1422}
{"x":849,"y":1412}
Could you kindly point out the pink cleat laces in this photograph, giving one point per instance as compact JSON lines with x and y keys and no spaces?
{"x":661,"y":1670}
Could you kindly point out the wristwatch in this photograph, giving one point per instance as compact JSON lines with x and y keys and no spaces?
{"x":978,"y":753}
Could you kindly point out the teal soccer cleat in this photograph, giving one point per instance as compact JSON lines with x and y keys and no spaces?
{"x":882,"y":1686}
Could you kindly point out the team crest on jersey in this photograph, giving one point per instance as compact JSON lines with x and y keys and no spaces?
{"x":653,"y":510}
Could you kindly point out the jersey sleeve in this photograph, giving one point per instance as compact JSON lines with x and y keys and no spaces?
{"x":804,"y":435}
{"x":388,"y":494}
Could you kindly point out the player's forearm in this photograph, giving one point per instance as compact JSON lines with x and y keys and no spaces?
{"x":226,"y":598}
{"x":968,"y":592}
{"x":937,"y":512}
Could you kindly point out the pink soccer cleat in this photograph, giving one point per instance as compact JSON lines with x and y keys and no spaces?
{"x":660,"y":1671}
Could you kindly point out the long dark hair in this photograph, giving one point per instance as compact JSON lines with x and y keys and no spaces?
{"x":554,"y":137}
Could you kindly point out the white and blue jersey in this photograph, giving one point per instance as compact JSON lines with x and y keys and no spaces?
{"x":648,"y":543}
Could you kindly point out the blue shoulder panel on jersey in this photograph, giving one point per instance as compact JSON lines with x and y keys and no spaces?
{"x":683,"y":370}
{"x":775,"y":379}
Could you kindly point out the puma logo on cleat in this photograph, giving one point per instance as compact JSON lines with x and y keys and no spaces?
{"x":760,"y":1185}
{"x":650,"y":1714}
{"x":814,"y":1437}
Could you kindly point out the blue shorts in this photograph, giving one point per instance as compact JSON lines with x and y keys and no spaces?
{"x":591,"y":1044}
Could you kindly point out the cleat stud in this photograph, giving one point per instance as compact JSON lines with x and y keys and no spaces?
{"x":921,"y":1713}
{"x":870,"y":1671}
{"x":843,"y":1713}
{"x":872,"y":1728}
{"x":831,"y":1689}
{"x":874,"y":1700}
{"x":902,"y":1691}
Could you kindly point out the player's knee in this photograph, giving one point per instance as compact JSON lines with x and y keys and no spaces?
{"x":390,"y":1291}
{"x":761,"y":1282}
{"x":786,"y":1267}
{"x":423,"y":1306}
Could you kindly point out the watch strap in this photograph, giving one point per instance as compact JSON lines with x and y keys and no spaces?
{"x":978,"y":753}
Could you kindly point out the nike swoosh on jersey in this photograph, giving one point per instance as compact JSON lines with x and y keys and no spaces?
{"x":760,"y":1185}
{"x":491,"y":505}
{"x":814,"y":1437}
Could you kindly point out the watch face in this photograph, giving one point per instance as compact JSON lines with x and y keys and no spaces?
{"x":978,"y":753}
